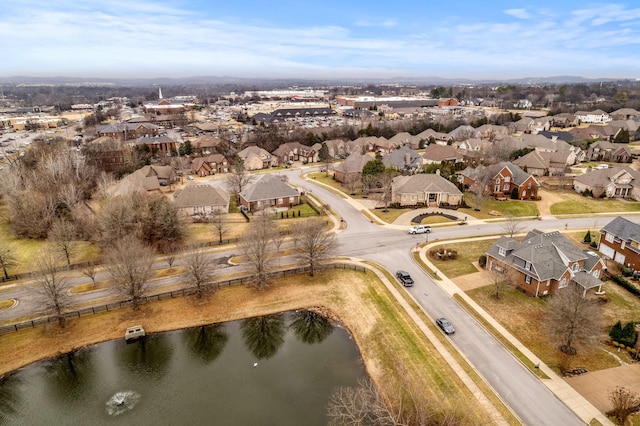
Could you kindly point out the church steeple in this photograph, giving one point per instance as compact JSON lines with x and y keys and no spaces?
{"x":159,"y":92}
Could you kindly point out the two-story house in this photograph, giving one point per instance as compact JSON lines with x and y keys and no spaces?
{"x":620,"y":241}
{"x":506,"y":180}
{"x":545,"y":263}
{"x":612,"y":182}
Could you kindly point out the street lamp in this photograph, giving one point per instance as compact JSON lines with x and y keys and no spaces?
{"x":427,"y":235}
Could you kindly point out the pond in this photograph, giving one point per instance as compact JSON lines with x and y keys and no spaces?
{"x":271,"y":370}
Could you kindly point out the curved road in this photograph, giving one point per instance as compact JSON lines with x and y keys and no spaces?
{"x":516,"y":385}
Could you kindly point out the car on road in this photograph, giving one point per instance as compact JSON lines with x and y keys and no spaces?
{"x":420,"y":229}
{"x":404,"y":278}
{"x":445,"y":325}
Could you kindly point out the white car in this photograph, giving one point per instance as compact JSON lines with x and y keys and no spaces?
{"x":420,"y":229}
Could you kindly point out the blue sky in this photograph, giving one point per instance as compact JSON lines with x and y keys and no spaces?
{"x":321,"y":39}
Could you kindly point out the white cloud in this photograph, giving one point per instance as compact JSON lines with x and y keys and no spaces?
{"x":518,"y":13}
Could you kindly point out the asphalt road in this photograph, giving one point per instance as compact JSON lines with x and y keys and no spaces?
{"x":533,"y":403}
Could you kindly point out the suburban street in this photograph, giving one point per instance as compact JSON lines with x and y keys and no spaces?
{"x":391,"y":248}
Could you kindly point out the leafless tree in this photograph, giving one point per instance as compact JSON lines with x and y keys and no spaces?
{"x":220,"y":222}
{"x":200,"y":269}
{"x":572,"y":319}
{"x":314,"y":244}
{"x":360,"y":405}
{"x":624,"y":402}
{"x":117,"y":219}
{"x":62,"y":234}
{"x":90,"y":272}
{"x":256,"y":243}
{"x":512,"y":225}
{"x":369,"y":182}
{"x":53,"y":288}
{"x":386,"y":181}
{"x":129,"y":263}
{"x":498,"y":280}
{"x":7,"y":258}
{"x":238,"y":178}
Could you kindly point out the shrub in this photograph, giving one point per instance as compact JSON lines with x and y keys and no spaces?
{"x":593,"y":244}
{"x":616,"y":332}
{"x":626,"y":284}
{"x":482,"y":261}
{"x":587,"y":237}
{"x":629,"y":335}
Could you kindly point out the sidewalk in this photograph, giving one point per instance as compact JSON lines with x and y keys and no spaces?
{"x":560,"y":388}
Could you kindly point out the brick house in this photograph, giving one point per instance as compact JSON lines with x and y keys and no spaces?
{"x":424,"y":190}
{"x":269,"y":191}
{"x":545,"y":263}
{"x":506,"y":178}
{"x":620,"y":241}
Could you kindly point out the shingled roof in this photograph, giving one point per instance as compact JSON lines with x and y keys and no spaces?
{"x":268,"y":187}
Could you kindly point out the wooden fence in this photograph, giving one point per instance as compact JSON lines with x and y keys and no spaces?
{"x":162,"y":296}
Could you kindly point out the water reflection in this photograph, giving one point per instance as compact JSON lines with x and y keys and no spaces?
{"x":310,"y":327}
{"x":9,"y":396}
{"x":263,"y":335}
{"x":149,"y":356}
{"x":68,"y":375}
{"x":207,"y":342}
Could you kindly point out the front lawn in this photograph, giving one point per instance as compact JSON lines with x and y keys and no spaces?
{"x":516,"y":208}
{"x":577,"y":204}
{"x":468,"y":252}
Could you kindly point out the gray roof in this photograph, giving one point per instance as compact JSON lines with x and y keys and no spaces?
{"x":354,"y":163}
{"x":548,"y":253}
{"x":624,"y":229}
{"x":423,"y":183}
{"x":268,"y":187}
{"x":201,"y":195}
{"x":605,"y":176}
{"x":398,"y":159}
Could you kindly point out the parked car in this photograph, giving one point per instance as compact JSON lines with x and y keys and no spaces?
{"x":420,"y":229}
{"x":445,"y":325}
{"x":404,"y":278}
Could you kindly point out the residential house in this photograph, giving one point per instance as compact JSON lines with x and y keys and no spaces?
{"x":209,"y":165}
{"x":624,"y":114}
{"x":163,"y":145}
{"x":545,"y":263}
{"x":350,"y":170}
{"x":107,"y":154}
{"x":439,"y":137}
{"x":438,"y":154}
{"x":430,"y":190}
{"x":524,"y":125}
{"x":205,"y":144}
{"x":269,"y":191}
{"x":471,"y":145}
{"x":544,"y":163}
{"x":463,"y":132}
{"x":336,"y":148}
{"x":620,"y":241}
{"x":564,"y":119}
{"x":612,"y":182}
{"x":295,"y":151}
{"x":127,"y":131}
{"x":145,"y":179}
{"x":201,"y":200}
{"x":595,"y":116}
{"x":405,"y":160}
{"x":405,"y":138}
{"x":608,"y":151}
{"x":447,"y":102}
{"x":256,"y":158}
{"x":492,"y":131}
{"x":506,"y":179}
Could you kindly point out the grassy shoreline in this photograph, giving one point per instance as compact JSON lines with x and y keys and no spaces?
{"x":382,"y":330}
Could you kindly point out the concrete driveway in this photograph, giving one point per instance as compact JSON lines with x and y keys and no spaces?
{"x":595,"y":386}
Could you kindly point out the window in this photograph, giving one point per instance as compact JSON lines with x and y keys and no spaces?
{"x":507,"y":179}
{"x":596,"y":273}
{"x":498,"y":181}
{"x":502,"y":251}
{"x":575,"y":267}
{"x":279,"y":200}
{"x":527,"y":279}
{"x":505,"y":187}
{"x":609,"y":237}
{"x":563,"y":283}
{"x":292,"y":200}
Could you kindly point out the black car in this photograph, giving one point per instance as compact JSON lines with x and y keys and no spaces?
{"x":404,"y":278}
{"x":445,"y":325}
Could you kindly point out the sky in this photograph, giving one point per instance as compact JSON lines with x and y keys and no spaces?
{"x":319,"y":39}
